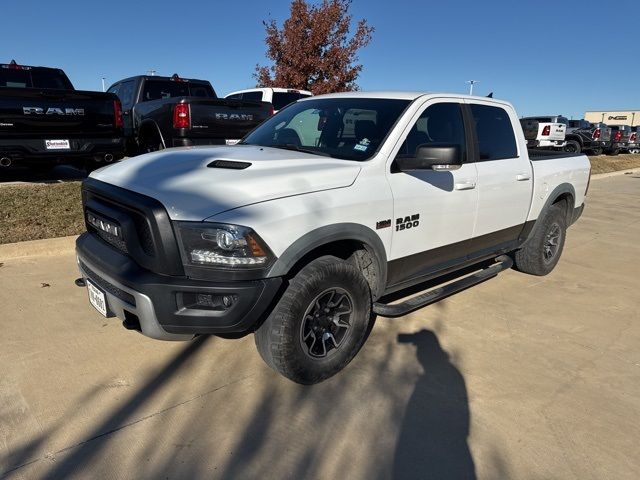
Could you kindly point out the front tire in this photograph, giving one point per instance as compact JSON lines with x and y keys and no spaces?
{"x":597,"y":151}
{"x":319,"y":324}
{"x":541,"y":253}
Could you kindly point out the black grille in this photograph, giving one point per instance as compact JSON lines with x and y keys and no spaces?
{"x":147,"y":234}
{"x":144,"y":235}
{"x":109,"y":287}
{"x":111,"y":240}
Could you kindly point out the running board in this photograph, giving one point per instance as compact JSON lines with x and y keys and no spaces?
{"x":504,"y":262}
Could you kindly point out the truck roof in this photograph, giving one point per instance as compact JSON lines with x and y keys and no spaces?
{"x":158,"y":77}
{"x":400,"y":95}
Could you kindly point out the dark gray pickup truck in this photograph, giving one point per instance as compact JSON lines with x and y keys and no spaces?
{"x":163,"y":112}
{"x":45,"y":121}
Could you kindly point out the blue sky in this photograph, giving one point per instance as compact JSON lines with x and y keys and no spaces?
{"x":545,"y":57}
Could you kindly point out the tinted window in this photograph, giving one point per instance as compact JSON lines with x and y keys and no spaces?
{"x":346,"y":128}
{"x":203,"y":91}
{"x":439,"y":123}
{"x":256,"y":96}
{"x":495,"y":133}
{"x":49,"y":78}
{"x":282,"y":99}
{"x":124,"y":91}
{"x":155,"y":90}
{"x":234,"y":96}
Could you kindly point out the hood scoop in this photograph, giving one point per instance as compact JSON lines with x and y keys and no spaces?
{"x":229,"y":164}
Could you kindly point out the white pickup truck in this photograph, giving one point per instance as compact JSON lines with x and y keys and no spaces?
{"x":319,"y":217}
{"x":545,"y":132}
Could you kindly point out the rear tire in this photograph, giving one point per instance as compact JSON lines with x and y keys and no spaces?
{"x":613,"y":152}
{"x":572,"y":146}
{"x":319,"y":324}
{"x":541,"y":253}
{"x":150,"y":144}
{"x":597,"y":151}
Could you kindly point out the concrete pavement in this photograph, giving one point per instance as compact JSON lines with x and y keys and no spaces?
{"x":520,"y":377}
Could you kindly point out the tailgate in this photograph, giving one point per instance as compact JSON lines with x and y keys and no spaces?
{"x":557,"y":131}
{"x":47,"y":113}
{"x":226,"y":118}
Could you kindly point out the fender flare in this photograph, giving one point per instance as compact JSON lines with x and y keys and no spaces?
{"x":150,"y":124}
{"x":553,"y":196}
{"x":329,"y":234}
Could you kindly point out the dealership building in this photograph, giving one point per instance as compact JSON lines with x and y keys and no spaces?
{"x":615,"y":117}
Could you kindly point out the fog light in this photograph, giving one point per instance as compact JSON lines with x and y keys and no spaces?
{"x":206,"y":301}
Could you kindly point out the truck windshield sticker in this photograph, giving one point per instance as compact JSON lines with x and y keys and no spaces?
{"x":362,"y":145}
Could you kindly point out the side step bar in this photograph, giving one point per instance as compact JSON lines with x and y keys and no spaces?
{"x":503,"y":262}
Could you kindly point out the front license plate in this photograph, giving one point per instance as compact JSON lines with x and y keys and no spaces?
{"x":57,"y":144}
{"x":97,"y":298}
{"x":231,"y":141}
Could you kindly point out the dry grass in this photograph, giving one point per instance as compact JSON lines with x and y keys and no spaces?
{"x":35,"y":211}
{"x":605,"y":163}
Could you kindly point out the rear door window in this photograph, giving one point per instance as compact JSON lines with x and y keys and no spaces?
{"x":496,"y":140}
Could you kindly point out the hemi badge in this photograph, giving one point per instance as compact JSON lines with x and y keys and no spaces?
{"x":383,"y":224}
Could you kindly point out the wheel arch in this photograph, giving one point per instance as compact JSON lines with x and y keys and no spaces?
{"x":565,"y":195}
{"x":150,"y":126}
{"x":349,"y":241}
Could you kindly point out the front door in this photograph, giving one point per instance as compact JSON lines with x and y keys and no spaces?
{"x":434,"y":211}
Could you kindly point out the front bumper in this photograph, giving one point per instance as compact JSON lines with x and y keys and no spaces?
{"x":153,"y":304}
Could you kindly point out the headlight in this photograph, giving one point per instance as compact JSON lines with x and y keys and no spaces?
{"x":221,"y":245}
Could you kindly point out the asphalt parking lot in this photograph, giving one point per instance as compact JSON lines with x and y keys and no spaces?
{"x":519,"y":377}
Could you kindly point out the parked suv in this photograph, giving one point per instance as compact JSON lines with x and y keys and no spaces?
{"x":583,"y":135}
{"x":620,"y":139}
{"x":278,"y":97}
{"x":545,"y":132}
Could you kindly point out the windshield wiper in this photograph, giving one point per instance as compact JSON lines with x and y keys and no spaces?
{"x":295,"y":148}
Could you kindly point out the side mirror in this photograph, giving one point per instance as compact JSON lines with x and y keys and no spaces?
{"x":434,"y":156}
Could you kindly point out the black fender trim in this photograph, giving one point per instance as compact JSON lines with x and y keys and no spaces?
{"x":530,"y":226}
{"x":328,"y":234}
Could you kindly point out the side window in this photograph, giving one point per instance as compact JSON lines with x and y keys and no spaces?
{"x":496,"y":140}
{"x":235,"y":96}
{"x":439,"y":123}
{"x":256,"y":96}
{"x":125,"y":94}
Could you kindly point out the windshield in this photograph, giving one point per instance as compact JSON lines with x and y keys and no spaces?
{"x":347,"y":128}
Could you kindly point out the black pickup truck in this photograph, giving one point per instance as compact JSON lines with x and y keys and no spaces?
{"x":163,"y":112}
{"x":583,"y":135}
{"x":45,"y":121}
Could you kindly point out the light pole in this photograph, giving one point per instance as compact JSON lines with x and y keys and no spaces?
{"x":471,"y":84}
{"x":151,"y":72}
{"x":103,"y":78}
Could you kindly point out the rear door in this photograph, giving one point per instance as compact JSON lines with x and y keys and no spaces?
{"x":434,"y":211}
{"x":126,"y":93}
{"x":505,"y":178}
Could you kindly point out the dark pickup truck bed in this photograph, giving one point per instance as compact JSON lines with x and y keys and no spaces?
{"x":163,"y":112}
{"x":44,"y":121}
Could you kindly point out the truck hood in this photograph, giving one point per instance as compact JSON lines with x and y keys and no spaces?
{"x":191,"y":190}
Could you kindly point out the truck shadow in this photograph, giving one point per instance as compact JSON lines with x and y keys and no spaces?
{"x":433,"y":438}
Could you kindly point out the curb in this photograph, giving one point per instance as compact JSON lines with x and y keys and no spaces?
{"x":38,"y":248}
{"x":614,"y":174}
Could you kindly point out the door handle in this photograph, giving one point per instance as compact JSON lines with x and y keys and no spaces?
{"x":523,"y":177}
{"x":465,"y":186}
